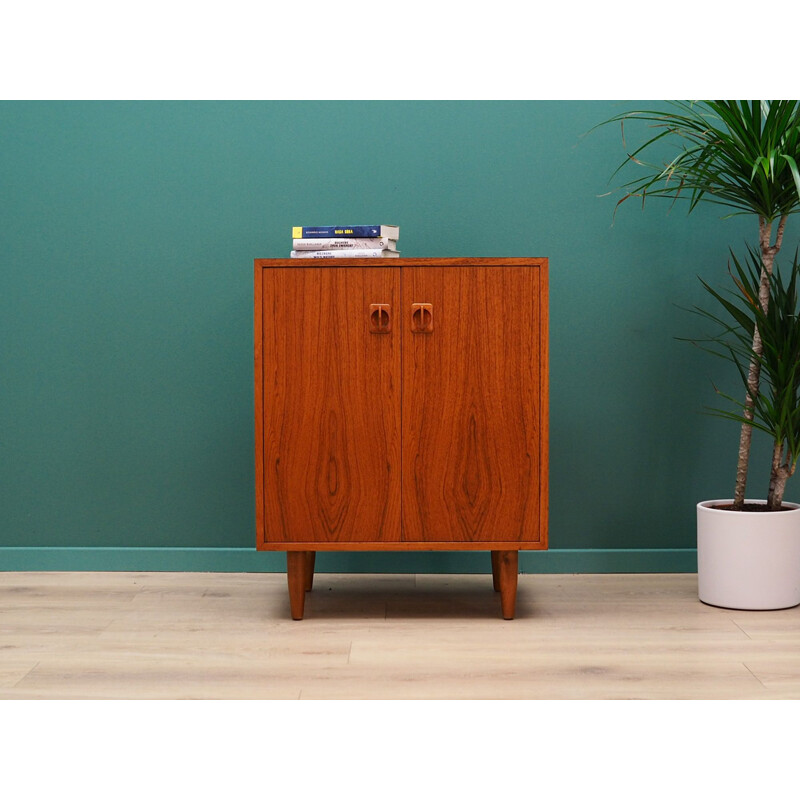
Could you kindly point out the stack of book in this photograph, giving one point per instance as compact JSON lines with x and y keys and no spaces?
{"x":346,"y":241}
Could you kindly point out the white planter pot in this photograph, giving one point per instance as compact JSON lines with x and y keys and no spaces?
{"x":748,"y":559}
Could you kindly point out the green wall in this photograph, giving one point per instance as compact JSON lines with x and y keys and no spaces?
{"x":127,"y":235}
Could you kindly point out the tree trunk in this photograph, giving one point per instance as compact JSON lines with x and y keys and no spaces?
{"x":781,"y":472}
{"x":768,"y":253}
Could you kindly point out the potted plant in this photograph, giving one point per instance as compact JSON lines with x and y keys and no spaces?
{"x":742,"y":155}
{"x":750,"y":557}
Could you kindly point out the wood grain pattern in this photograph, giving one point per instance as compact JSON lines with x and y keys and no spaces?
{"x":179,"y":635}
{"x":297,"y":579}
{"x":507,"y":577}
{"x":472,"y":407}
{"x":331,"y":408}
{"x":258,"y":353}
{"x":544,"y":401}
{"x":376,"y":546}
{"x":344,"y":263}
{"x":431,"y":436}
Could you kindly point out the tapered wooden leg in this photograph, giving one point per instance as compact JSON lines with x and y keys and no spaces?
{"x":495,"y":568}
{"x":508,"y":569}
{"x":311,"y":557}
{"x":296,"y":574}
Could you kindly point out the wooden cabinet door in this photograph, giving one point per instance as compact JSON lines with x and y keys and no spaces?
{"x":474,"y":405}
{"x":331,"y":405}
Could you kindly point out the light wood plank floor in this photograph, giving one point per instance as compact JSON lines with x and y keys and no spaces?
{"x":221,"y":635}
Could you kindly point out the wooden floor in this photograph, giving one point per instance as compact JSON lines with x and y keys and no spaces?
{"x":221,"y":635}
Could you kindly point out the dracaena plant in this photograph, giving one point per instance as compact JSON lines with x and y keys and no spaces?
{"x":741,"y":154}
{"x":775,"y":406}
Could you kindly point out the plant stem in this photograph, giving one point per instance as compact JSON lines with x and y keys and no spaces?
{"x":768,"y":253}
{"x":777,"y":481}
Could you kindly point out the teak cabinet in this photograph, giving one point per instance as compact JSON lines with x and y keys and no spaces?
{"x":401,"y":404}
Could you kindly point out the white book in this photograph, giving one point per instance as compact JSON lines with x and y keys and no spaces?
{"x":361,"y":253}
{"x":376,"y":243}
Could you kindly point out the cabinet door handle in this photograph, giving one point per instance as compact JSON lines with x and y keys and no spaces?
{"x":421,"y":318}
{"x":380,"y":318}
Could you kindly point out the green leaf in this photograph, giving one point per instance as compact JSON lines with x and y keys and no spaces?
{"x":776,"y":403}
{"x":738,"y":154}
{"x":790,"y":160}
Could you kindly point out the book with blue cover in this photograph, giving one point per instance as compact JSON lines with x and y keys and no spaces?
{"x":346,"y":231}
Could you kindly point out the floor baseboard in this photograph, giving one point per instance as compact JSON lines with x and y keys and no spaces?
{"x":223,"y":559}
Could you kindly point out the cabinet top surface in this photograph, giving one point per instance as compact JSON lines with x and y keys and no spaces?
{"x":401,"y":262}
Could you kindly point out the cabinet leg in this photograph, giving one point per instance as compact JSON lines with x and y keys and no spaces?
{"x":495,"y":570}
{"x":296,"y":574}
{"x":311,"y":557}
{"x":507,"y":571}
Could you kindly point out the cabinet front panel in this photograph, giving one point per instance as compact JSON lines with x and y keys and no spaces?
{"x":474,"y":404}
{"x":331,"y":405}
